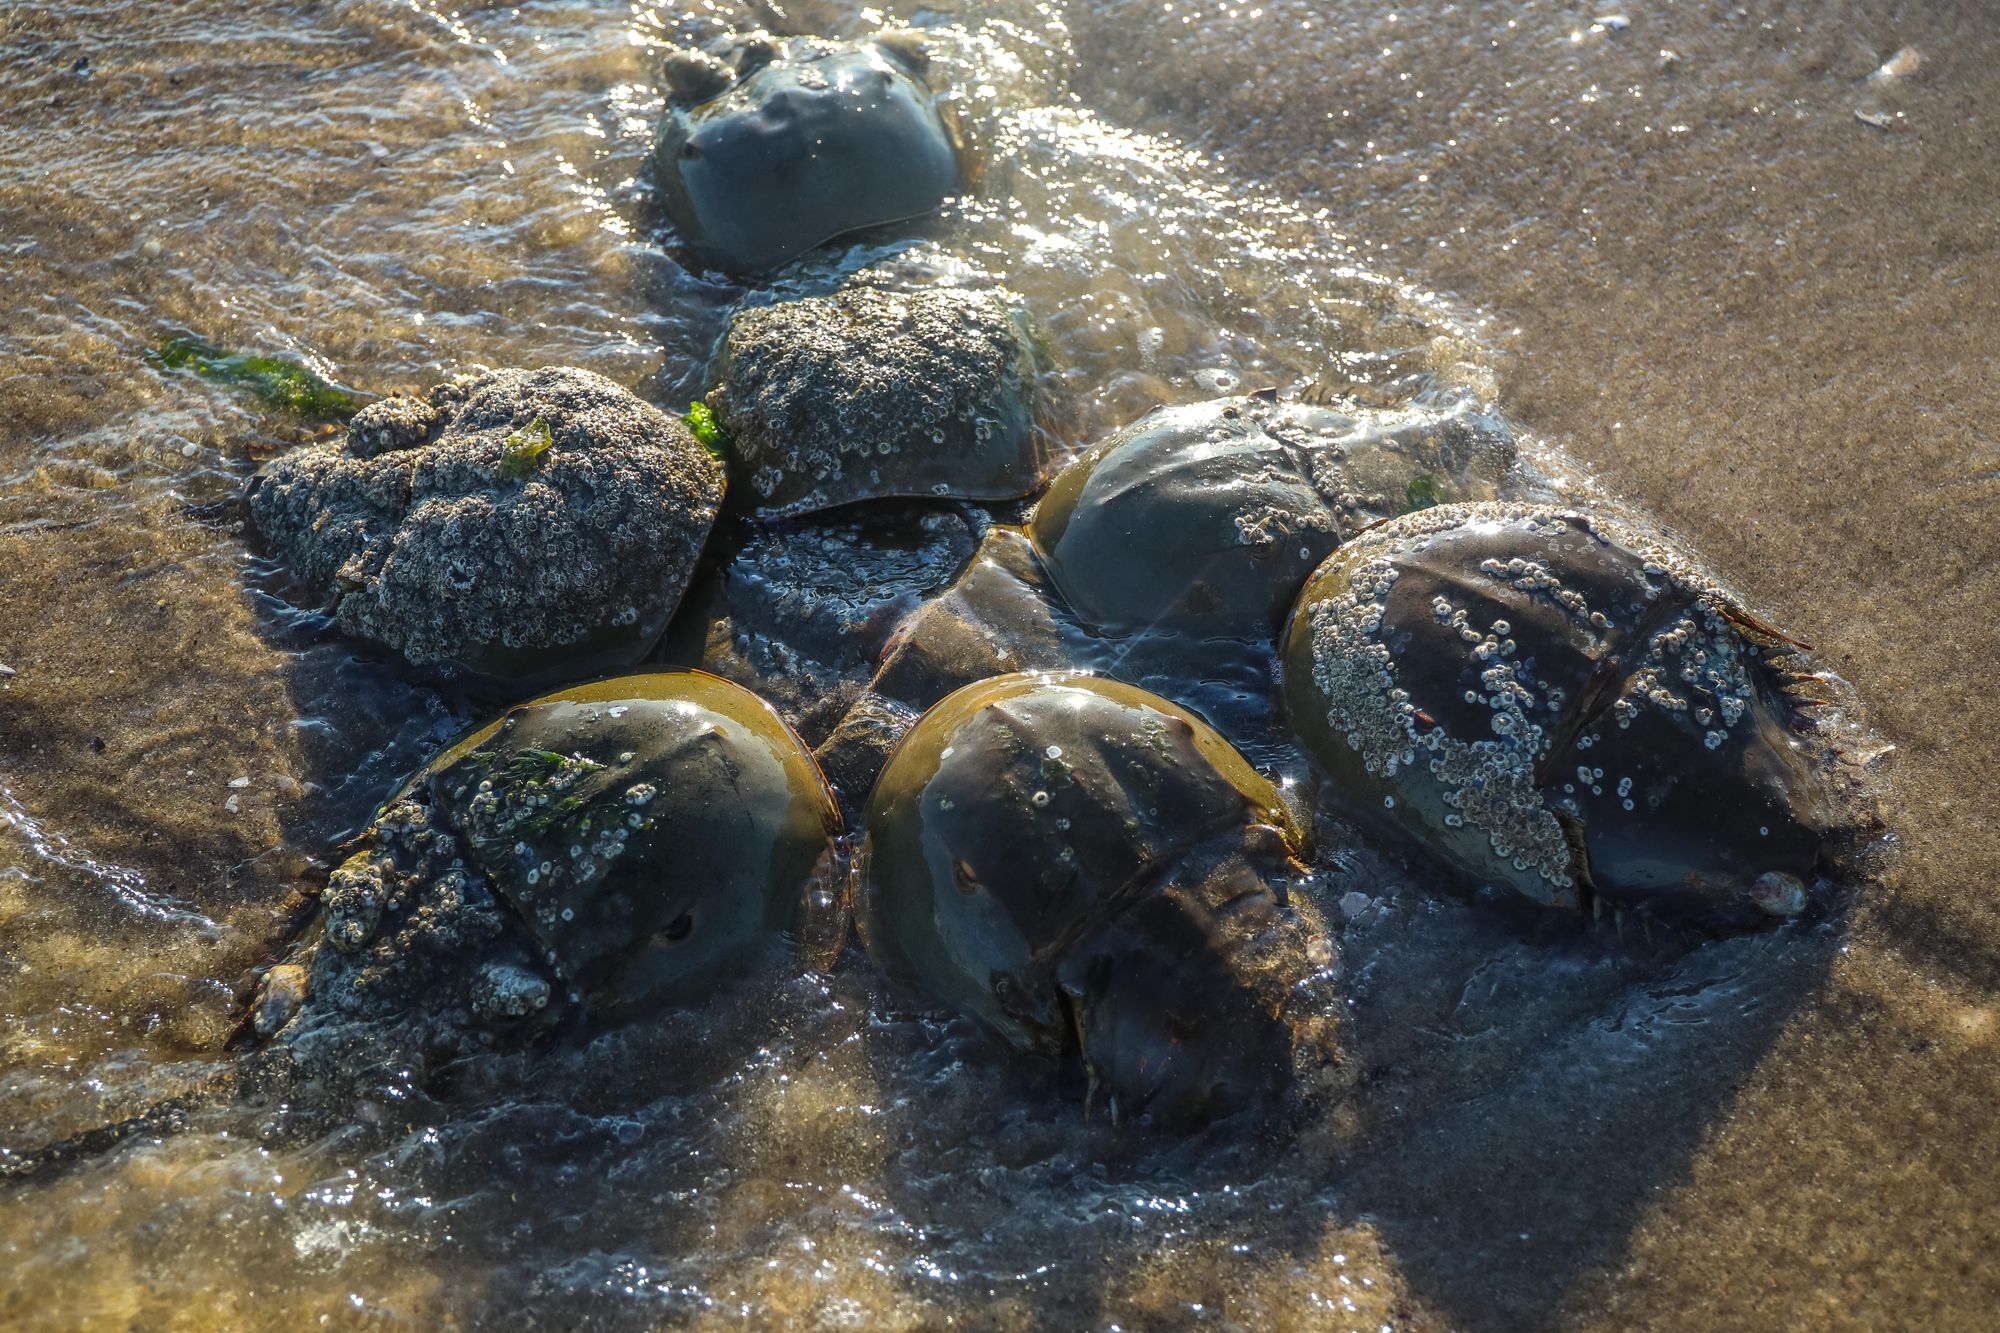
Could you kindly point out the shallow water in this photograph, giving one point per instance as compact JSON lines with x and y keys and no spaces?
{"x":1550,"y":1126}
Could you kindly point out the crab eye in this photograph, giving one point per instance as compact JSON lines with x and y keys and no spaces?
{"x":679,"y":928}
{"x":1007,"y":992}
{"x":689,"y":152}
{"x":756,"y":53}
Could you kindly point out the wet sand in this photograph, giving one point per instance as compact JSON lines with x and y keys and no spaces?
{"x":1777,"y":327}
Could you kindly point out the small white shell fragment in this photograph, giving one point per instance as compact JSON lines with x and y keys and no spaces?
{"x":280,"y":993}
{"x":1779,"y":894}
{"x":1899,"y":66}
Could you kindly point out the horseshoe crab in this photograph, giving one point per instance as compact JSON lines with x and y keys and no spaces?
{"x":1085,"y":866}
{"x":870,"y":393}
{"x":801,"y":612}
{"x":1563,"y":703}
{"x":614,"y":847}
{"x":529,"y":525}
{"x":794,"y":141}
{"x":1000,"y":616}
{"x":1205,"y":519}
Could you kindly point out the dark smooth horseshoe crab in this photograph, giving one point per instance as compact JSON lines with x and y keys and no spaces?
{"x":795,"y":142}
{"x":1204,"y":519}
{"x":1563,"y":703}
{"x":1083,"y":865}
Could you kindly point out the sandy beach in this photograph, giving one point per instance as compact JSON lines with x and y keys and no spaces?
{"x":1756,"y":287}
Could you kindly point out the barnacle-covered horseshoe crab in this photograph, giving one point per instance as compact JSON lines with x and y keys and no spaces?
{"x":1205,"y":519}
{"x":999,"y":617}
{"x":528,"y":525}
{"x":801,"y":612}
{"x":781,"y":144}
{"x":1566,"y":704}
{"x":871,"y":393}
{"x":614,"y":847}
{"x":1085,"y":866}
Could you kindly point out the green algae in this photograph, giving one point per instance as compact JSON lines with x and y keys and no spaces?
{"x":701,"y":421}
{"x":522,"y":450}
{"x":545,"y":774}
{"x":273,"y":381}
{"x":538,"y":765}
{"x":1422,"y":493}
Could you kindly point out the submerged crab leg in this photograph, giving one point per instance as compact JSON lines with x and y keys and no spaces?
{"x":1083,"y":1051}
